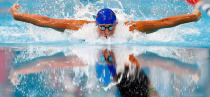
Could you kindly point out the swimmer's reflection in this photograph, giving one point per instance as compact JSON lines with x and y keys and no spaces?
{"x":132,"y":81}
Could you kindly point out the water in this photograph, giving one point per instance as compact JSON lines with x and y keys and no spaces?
{"x":65,"y":71}
{"x":42,"y":62}
{"x":194,"y":34}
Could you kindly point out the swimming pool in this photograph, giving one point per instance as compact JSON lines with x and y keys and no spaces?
{"x":42,"y":62}
{"x":71,"y":71}
{"x":194,"y":34}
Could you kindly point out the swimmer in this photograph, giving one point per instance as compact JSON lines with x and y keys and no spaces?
{"x":105,"y":21}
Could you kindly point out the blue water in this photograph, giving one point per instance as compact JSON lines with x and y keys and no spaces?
{"x":35,"y":61}
{"x":195,"y":34}
{"x":38,"y":71}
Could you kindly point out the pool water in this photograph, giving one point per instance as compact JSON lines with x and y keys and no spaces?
{"x":42,"y":62}
{"x":71,"y":71}
{"x":13,"y":32}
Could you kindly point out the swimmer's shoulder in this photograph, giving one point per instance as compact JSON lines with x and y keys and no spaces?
{"x":142,"y":26}
{"x":76,"y":24}
{"x":80,"y":22}
{"x":132,"y":25}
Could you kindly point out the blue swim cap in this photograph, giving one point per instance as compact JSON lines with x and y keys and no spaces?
{"x":105,"y":16}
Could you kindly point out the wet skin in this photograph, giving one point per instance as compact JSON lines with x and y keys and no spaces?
{"x":106,"y":33}
{"x":106,"y":53}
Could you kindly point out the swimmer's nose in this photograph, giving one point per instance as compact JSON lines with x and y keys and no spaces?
{"x":107,"y":32}
{"x":105,"y":35}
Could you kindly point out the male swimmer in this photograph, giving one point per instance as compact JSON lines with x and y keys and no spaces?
{"x":106,"y":21}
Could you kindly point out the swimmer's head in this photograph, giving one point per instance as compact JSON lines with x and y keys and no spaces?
{"x":106,"y":67}
{"x":105,"y":16}
{"x":106,"y":21}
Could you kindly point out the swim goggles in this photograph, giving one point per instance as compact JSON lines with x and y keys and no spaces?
{"x":103,"y":59}
{"x":105,"y":72}
{"x":103,"y":28}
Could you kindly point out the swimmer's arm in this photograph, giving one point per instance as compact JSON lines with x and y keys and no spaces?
{"x":154,"y":25}
{"x":40,"y":65}
{"x":170,"y":64}
{"x":58,"y":24}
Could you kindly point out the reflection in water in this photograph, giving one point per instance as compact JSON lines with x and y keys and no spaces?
{"x":131,"y":83}
{"x":122,"y":71}
{"x":135,"y":85}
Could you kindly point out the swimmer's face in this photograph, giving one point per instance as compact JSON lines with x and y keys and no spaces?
{"x":106,"y":30}
{"x":106,"y":53}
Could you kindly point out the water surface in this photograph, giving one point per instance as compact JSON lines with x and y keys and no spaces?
{"x":74,"y":71}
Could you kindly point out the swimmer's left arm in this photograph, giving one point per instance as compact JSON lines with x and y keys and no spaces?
{"x":154,"y":25}
{"x":173,"y":65}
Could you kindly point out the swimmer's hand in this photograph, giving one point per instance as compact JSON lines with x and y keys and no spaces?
{"x":14,"y":10}
{"x":197,"y":13}
{"x":13,"y":76}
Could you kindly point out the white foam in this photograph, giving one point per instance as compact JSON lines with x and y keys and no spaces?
{"x":123,"y":35}
{"x":89,"y":34}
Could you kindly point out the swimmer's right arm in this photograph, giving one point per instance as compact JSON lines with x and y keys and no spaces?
{"x":40,"y":65}
{"x":43,"y":21}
